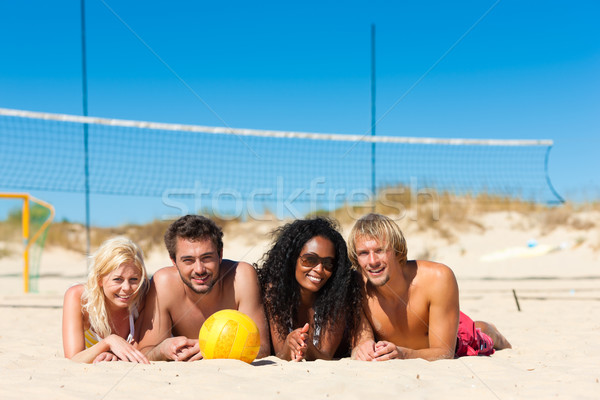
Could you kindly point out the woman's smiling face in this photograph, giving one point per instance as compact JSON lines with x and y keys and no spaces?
{"x":315,"y":263}
{"x":120,"y":285}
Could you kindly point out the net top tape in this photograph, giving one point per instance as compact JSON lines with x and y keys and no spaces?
{"x":269,"y":133}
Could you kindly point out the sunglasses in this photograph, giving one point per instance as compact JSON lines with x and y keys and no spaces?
{"x":312,"y":260}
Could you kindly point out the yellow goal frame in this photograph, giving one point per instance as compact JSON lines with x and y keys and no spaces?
{"x":26,"y":197}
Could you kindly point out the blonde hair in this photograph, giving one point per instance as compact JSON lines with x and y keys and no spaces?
{"x":109,"y":256}
{"x":379,"y":227}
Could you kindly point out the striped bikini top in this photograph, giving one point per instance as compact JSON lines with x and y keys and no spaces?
{"x":92,"y":338}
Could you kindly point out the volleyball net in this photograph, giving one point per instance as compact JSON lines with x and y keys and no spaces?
{"x":43,"y":151}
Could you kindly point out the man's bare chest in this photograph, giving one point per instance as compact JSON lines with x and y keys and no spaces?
{"x":187,"y":317}
{"x":405,"y":324}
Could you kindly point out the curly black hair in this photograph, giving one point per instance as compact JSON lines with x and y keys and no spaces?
{"x":339,"y":298}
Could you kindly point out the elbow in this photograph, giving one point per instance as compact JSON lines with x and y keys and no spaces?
{"x":264,"y":351}
{"x":444,"y":354}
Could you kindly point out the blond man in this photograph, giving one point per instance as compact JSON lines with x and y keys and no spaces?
{"x":412,"y":305}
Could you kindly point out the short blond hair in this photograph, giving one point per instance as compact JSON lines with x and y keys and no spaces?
{"x":378,"y":227}
{"x":109,"y":256}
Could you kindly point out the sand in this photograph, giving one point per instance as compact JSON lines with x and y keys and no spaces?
{"x":555,"y":336}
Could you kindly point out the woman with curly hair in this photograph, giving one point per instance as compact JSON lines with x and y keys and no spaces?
{"x":98,"y":317}
{"x":311,"y":294}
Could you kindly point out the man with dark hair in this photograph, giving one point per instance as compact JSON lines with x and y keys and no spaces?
{"x":199,"y":283}
{"x":412,"y":305}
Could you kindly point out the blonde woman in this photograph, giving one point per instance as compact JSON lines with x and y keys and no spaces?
{"x":98,"y":317}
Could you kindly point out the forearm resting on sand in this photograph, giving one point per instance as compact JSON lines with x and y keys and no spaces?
{"x":388,"y":351}
{"x":115,"y":344}
{"x":90,"y":354}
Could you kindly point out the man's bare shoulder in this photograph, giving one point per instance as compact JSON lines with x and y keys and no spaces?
{"x":435,"y":275}
{"x":245,"y":270}
{"x":236,"y":270}
{"x":433,"y":269}
{"x":235,"y":274}
{"x":166,"y":290}
{"x":166,"y":277}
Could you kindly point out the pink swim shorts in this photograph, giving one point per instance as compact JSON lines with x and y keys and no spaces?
{"x":470,"y":340}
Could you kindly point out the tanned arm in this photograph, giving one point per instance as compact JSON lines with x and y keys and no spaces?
{"x":156,"y":325}
{"x":248,"y":298}
{"x":293,"y":347}
{"x":329,"y":341}
{"x":363,"y":343}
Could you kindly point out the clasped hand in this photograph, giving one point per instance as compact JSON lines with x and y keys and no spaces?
{"x":295,"y":343}
{"x":181,"y":348}
{"x":380,"y":351}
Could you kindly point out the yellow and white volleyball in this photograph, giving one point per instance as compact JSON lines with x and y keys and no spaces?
{"x":229,"y":334}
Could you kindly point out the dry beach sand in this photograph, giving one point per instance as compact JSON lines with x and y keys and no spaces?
{"x":555,"y":336}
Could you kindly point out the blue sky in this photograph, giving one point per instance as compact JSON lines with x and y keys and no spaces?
{"x":526,"y":70}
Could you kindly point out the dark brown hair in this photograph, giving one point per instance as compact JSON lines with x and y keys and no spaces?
{"x":193,"y":228}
